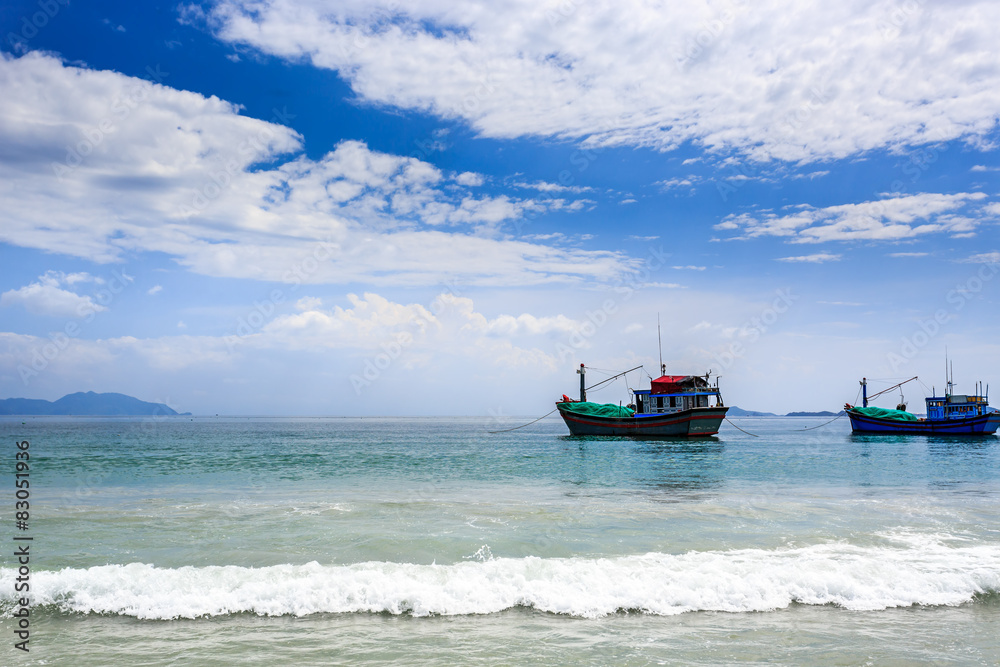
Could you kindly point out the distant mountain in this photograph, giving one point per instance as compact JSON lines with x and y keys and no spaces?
{"x":740,"y":412}
{"x":822,"y":413}
{"x":85,"y":403}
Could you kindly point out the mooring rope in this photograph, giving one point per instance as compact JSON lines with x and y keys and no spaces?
{"x":523,"y":425}
{"x":824,"y":424}
{"x":739,"y":429}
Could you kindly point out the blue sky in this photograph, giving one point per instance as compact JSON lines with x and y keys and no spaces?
{"x":345,"y":208}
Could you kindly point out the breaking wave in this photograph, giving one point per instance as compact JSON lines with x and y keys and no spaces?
{"x":926,"y":572}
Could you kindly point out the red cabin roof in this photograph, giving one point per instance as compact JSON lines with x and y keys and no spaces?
{"x":675,"y":384}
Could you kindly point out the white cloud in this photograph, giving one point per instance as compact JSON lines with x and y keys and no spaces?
{"x":908,"y":254}
{"x":689,"y":267}
{"x":470,"y":179}
{"x":984,"y":258}
{"x":779,"y":79}
{"x":46,"y":297}
{"x":545,"y":186}
{"x":449,"y":329}
{"x":95,"y":164}
{"x":155,"y":289}
{"x":309,"y":303}
{"x":890,"y":219}
{"x":674,"y":183}
{"x":448,"y":322}
{"x":813,"y":175}
{"x":817,"y":258}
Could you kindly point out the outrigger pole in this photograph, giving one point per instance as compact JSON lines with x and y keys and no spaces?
{"x":868,"y":398}
{"x":609,"y":379}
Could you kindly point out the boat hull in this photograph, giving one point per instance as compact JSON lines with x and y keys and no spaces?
{"x":979,"y":425}
{"x":686,"y":423}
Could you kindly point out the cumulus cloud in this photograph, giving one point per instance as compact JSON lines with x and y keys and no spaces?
{"x":96,"y":164}
{"x":780,"y":79}
{"x":47,"y":296}
{"x":447,"y":322}
{"x":890,"y":219}
{"x":470,"y":179}
{"x":448,"y":329}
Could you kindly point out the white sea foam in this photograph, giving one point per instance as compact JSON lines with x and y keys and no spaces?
{"x":926,"y":572}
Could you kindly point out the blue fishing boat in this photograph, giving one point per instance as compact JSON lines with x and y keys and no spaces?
{"x":674,"y":405}
{"x":951,"y":414}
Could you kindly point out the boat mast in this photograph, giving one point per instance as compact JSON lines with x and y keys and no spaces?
{"x":583,"y":387}
{"x":659,"y":342}
{"x":864,"y":392}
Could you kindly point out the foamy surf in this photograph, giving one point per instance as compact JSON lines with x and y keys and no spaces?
{"x":858,"y":578}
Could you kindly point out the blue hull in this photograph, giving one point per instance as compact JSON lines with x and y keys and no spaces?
{"x":980,"y":425}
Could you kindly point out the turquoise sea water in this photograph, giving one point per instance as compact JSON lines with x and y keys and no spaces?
{"x":432,"y":541}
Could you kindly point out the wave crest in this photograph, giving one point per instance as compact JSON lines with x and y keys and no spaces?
{"x":858,"y":578}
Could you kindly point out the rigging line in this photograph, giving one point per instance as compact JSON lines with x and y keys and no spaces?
{"x":739,"y":429}
{"x":611,"y":378}
{"x":821,"y":425}
{"x":523,"y":425}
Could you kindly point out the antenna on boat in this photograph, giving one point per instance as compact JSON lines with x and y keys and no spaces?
{"x":659,"y":342}
{"x":947,"y":375}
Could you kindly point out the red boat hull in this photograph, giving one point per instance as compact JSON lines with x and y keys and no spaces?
{"x":693,"y":422}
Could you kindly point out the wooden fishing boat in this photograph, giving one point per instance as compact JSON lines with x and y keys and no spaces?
{"x":674,"y":405}
{"x":951,"y":414}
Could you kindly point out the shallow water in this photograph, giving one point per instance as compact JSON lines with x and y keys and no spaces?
{"x":322,"y":541}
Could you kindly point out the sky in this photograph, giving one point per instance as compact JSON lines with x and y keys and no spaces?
{"x":283,"y":207}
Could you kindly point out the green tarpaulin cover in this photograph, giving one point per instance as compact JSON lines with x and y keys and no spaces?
{"x":597,"y":409}
{"x":882,"y":413}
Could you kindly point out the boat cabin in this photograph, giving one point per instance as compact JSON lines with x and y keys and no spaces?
{"x":674,"y":393}
{"x":956,"y":406}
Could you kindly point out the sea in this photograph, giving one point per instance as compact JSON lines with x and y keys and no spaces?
{"x":439,"y":541}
